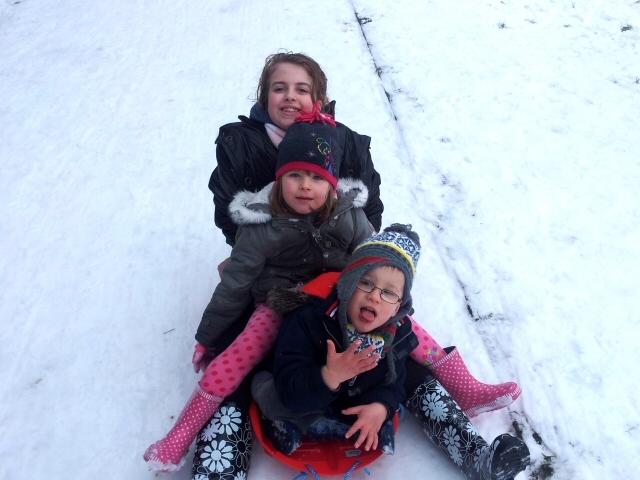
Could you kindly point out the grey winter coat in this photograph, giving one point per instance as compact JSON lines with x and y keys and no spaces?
{"x":281,"y":250}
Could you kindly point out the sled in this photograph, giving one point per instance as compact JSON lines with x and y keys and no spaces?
{"x":331,"y":458}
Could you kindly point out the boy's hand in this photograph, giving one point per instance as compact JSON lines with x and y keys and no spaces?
{"x":346,"y":365}
{"x":370,"y":420}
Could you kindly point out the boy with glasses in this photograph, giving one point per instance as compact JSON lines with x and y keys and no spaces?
{"x":339,"y":364}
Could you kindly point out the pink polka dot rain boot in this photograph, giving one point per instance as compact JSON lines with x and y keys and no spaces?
{"x":168,"y":455}
{"x":473,"y":396}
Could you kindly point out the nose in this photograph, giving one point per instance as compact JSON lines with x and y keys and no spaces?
{"x":375,"y":294}
{"x":305,"y":182}
{"x":291,"y":94}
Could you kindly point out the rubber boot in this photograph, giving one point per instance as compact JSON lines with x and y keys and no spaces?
{"x":223,"y":446}
{"x":450,"y":430}
{"x":473,"y":396}
{"x":285,"y":435}
{"x":332,"y":426}
{"x":168,"y":455}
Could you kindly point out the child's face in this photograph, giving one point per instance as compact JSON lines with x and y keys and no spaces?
{"x":289,"y":94}
{"x":304,"y":191}
{"x":368,"y":311}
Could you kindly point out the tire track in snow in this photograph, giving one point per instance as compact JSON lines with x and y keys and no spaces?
{"x":542,"y":457}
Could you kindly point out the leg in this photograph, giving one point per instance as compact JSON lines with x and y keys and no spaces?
{"x":451,"y":430}
{"x":210,"y":439}
{"x":222,"y":377}
{"x":227,"y":370}
{"x":167,"y":455}
{"x":223,"y":446}
{"x":473,"y":396}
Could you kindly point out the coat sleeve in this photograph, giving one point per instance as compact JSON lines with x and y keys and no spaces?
{"x":300,"y":356}
{"x":389,"y":395}
{"x":374,"y":207}
{"x":233,"y":294}
{"x":224,"y":185}
{"x":361,"y":228}
{"x":357,"y":163}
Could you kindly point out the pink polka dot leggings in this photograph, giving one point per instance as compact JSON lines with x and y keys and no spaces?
{"x":227,"y":370}
{"x":428,"y":350}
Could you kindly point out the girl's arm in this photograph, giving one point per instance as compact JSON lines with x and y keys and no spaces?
{"x":361,"y":228}
{"x":358,"y":164}
{"x":224,"y":185}
{"x":233,"y":294}
{"x":374,"y":207}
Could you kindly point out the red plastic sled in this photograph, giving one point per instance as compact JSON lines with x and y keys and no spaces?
{"x":331,"y":458}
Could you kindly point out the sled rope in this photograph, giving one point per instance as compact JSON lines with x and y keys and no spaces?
{"x":352,"y":469}
{"x":303,"y":475}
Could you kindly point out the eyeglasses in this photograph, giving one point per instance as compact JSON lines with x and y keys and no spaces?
{"x":386,"y":295}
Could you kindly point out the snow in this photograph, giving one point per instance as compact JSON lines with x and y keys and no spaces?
{"x":505,"y":132}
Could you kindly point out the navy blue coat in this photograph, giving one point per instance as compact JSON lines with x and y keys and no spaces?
{"x":301,"y":352}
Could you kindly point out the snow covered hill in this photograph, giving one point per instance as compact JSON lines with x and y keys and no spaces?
{"x":505,"y":132}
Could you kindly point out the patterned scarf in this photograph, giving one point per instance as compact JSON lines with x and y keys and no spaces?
{"x":381,"y":338}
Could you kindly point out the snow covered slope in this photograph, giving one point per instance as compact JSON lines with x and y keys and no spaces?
{"x":506,"y":133}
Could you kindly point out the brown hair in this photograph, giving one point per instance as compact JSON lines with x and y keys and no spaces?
{"x":280,"y":207}
{"x":318,"y":78}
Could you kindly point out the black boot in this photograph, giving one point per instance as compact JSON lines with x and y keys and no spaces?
{"x":450,"y":430}
{"x":223,"y":446}
{"x":285,"y":435}
{"x":334,"y":426}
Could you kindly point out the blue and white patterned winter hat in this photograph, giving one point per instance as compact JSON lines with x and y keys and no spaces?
{"x":397,"y":246}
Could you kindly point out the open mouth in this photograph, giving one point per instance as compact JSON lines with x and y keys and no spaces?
{"x":367,"y":314}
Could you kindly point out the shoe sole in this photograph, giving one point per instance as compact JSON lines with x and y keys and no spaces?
{"x":512,"y":459}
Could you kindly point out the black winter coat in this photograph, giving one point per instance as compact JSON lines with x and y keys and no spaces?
{"x":301,"y":352}
{"x":247,"y":161}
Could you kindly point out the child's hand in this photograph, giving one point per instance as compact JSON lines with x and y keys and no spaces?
{"x":200,"y":359}
{"x":346,"y":365}
{"x":370,"y":420}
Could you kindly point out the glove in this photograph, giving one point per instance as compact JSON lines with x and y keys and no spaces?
{"x":200,"y":358}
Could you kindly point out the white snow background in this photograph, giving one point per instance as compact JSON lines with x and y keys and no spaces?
{"x":506,"y":132}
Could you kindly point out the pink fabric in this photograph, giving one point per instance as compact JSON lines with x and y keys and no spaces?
{"x":473,"y":396}
{"x":220,"y":379}
{"x":227,"y":370}
{"x":428,"y":350}
{"x":276,"y":134}
{"x":167,"y":455}
{"x":198,"y":358}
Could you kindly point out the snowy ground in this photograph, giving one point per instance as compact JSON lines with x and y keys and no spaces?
{"x":505,"y":132}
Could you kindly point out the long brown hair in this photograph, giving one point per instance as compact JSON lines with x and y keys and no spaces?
{"x":318,"y":78}
{"x":279,"y":206}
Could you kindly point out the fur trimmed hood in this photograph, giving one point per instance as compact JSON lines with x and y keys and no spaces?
{"x":286,"y":300}
{"x":250,"y":208}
